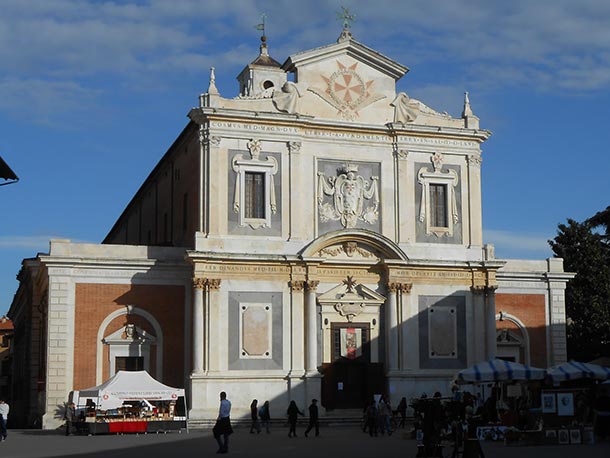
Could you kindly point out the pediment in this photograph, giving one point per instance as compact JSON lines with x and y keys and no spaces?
{"x":359,"y":292}
{"x":128,"y":335}
{"x":352,"y":48}
{"x":350,"y":299}
{"x":346,"y":81}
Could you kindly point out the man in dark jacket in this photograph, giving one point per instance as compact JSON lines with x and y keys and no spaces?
{"x":313,"y":418}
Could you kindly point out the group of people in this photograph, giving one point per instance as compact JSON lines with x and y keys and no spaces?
{"x":379,"y":416}
{"x":260,"y":418}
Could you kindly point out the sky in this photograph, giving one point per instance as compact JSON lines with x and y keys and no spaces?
{"x":92,"y":93}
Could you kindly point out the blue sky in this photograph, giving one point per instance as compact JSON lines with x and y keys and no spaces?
{"x":92,"y":93}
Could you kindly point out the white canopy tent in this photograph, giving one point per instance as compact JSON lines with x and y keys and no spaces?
{"x":129,"y":386}
{"x":573,"y":370}
{"x":499,"y":370}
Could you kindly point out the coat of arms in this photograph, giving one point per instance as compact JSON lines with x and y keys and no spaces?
{"x":349,"y":192}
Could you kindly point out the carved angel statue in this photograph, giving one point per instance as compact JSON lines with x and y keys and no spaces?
{"x":349,"y":192}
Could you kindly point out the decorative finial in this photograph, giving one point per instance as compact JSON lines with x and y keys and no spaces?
{"x":467,"y":110}
{"x":347,"y":19}
{"x":212,"y":88}
{"x":350,"y":283}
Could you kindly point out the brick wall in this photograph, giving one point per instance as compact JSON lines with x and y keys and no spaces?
{"x":94,"y":302}
{"x":530,"y":310}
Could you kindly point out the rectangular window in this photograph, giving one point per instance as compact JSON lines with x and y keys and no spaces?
{"x":254,"y":196}
{"x":438,"y":205}
{"x":129,"y":363}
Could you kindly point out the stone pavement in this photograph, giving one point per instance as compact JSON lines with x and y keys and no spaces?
{"x":341,"y":442}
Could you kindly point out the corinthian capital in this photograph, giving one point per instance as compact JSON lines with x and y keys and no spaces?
{"x":312,"y":284}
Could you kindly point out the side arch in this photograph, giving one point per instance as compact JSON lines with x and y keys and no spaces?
{"x":384,"y":245}
{"x":503,"y":316}
{"x":128,"y":310}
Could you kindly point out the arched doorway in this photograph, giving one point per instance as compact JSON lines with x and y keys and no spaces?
{"x":353,"y":305}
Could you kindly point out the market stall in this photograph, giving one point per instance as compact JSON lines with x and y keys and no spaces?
{"x":505,"y":413}
{"x":569,"y":405}
{"x":130,"y":402}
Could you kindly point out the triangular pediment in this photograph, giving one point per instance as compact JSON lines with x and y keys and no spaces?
{"x":346,"y":81}
{"x":350,"y":299}
{"x":352,"y":48}
{"x":341,"y":293}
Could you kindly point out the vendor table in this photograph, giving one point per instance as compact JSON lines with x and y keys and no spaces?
{"x":127,"y":426}
{"x":120,"y":427}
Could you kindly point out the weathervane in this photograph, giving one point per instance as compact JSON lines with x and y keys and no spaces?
{"x":261,"y":25}
{"x":346,"y":17}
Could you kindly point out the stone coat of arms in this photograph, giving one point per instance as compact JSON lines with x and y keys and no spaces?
{"x":349,"y":192}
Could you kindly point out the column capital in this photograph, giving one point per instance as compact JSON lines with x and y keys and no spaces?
{"x":297,"y":285}
{"x":214,"y":284}
{"x":312,"y":284}
{"x":482,"y":289}
{"x":395,"y":287}
{"x":199,"y":283}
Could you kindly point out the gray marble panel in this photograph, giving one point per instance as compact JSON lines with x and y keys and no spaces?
{"x":428,"y":332}
{"x":273,"y":298}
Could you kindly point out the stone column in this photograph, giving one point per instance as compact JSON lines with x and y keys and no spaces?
{"x":297,"y":329}
{"x":490,"y":308}
{"x":198,"y":324}
{"x":311,"y":345}
{"x":391,"y":314}
{"x":479,"y":327}
{"x":213,"y":339}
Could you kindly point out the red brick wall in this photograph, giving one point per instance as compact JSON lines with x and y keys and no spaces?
{"x":94,"y":302}
{"x":530,"y":310}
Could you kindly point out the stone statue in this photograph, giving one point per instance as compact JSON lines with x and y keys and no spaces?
{"x":286,"y":99}
{"x":404,"y":111}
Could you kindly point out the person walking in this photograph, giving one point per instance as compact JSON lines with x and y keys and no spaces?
{"x":265,"y":416}
{"x":254,"y":425}
{"x":371,"y":418}
{"x":222,"y":429}
{"x":402,"y":411}
{"x":70,"y":417}
{"x":292,"y":412}
{"x":4,"y":410}
{"x":313,"y":418}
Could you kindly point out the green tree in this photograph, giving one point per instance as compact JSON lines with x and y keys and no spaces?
{"x":586,"y":252}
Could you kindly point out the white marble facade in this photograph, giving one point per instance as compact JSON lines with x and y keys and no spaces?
{"x":331,"y":209}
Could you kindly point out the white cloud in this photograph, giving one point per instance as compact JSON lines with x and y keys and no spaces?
{"x":79,"y":47}
{"x":38,"y":243}
{"x":512,"y":245}
{"x":32,"y":242}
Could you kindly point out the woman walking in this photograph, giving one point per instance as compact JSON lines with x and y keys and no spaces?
{"x":254,"y":416}
{"x":292,"y":412}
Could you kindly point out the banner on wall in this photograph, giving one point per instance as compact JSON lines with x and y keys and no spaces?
{"x":351,"y":343}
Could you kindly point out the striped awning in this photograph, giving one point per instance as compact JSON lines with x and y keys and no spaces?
{"x":499,"y":370}
{"x":574,"y":370}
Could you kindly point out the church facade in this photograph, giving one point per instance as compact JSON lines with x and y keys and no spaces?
{"x":317,"y":236}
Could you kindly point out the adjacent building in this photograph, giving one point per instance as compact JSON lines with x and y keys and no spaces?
{"x":318,"y":235}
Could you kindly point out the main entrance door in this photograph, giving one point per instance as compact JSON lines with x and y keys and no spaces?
{"x":350,"y":379}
